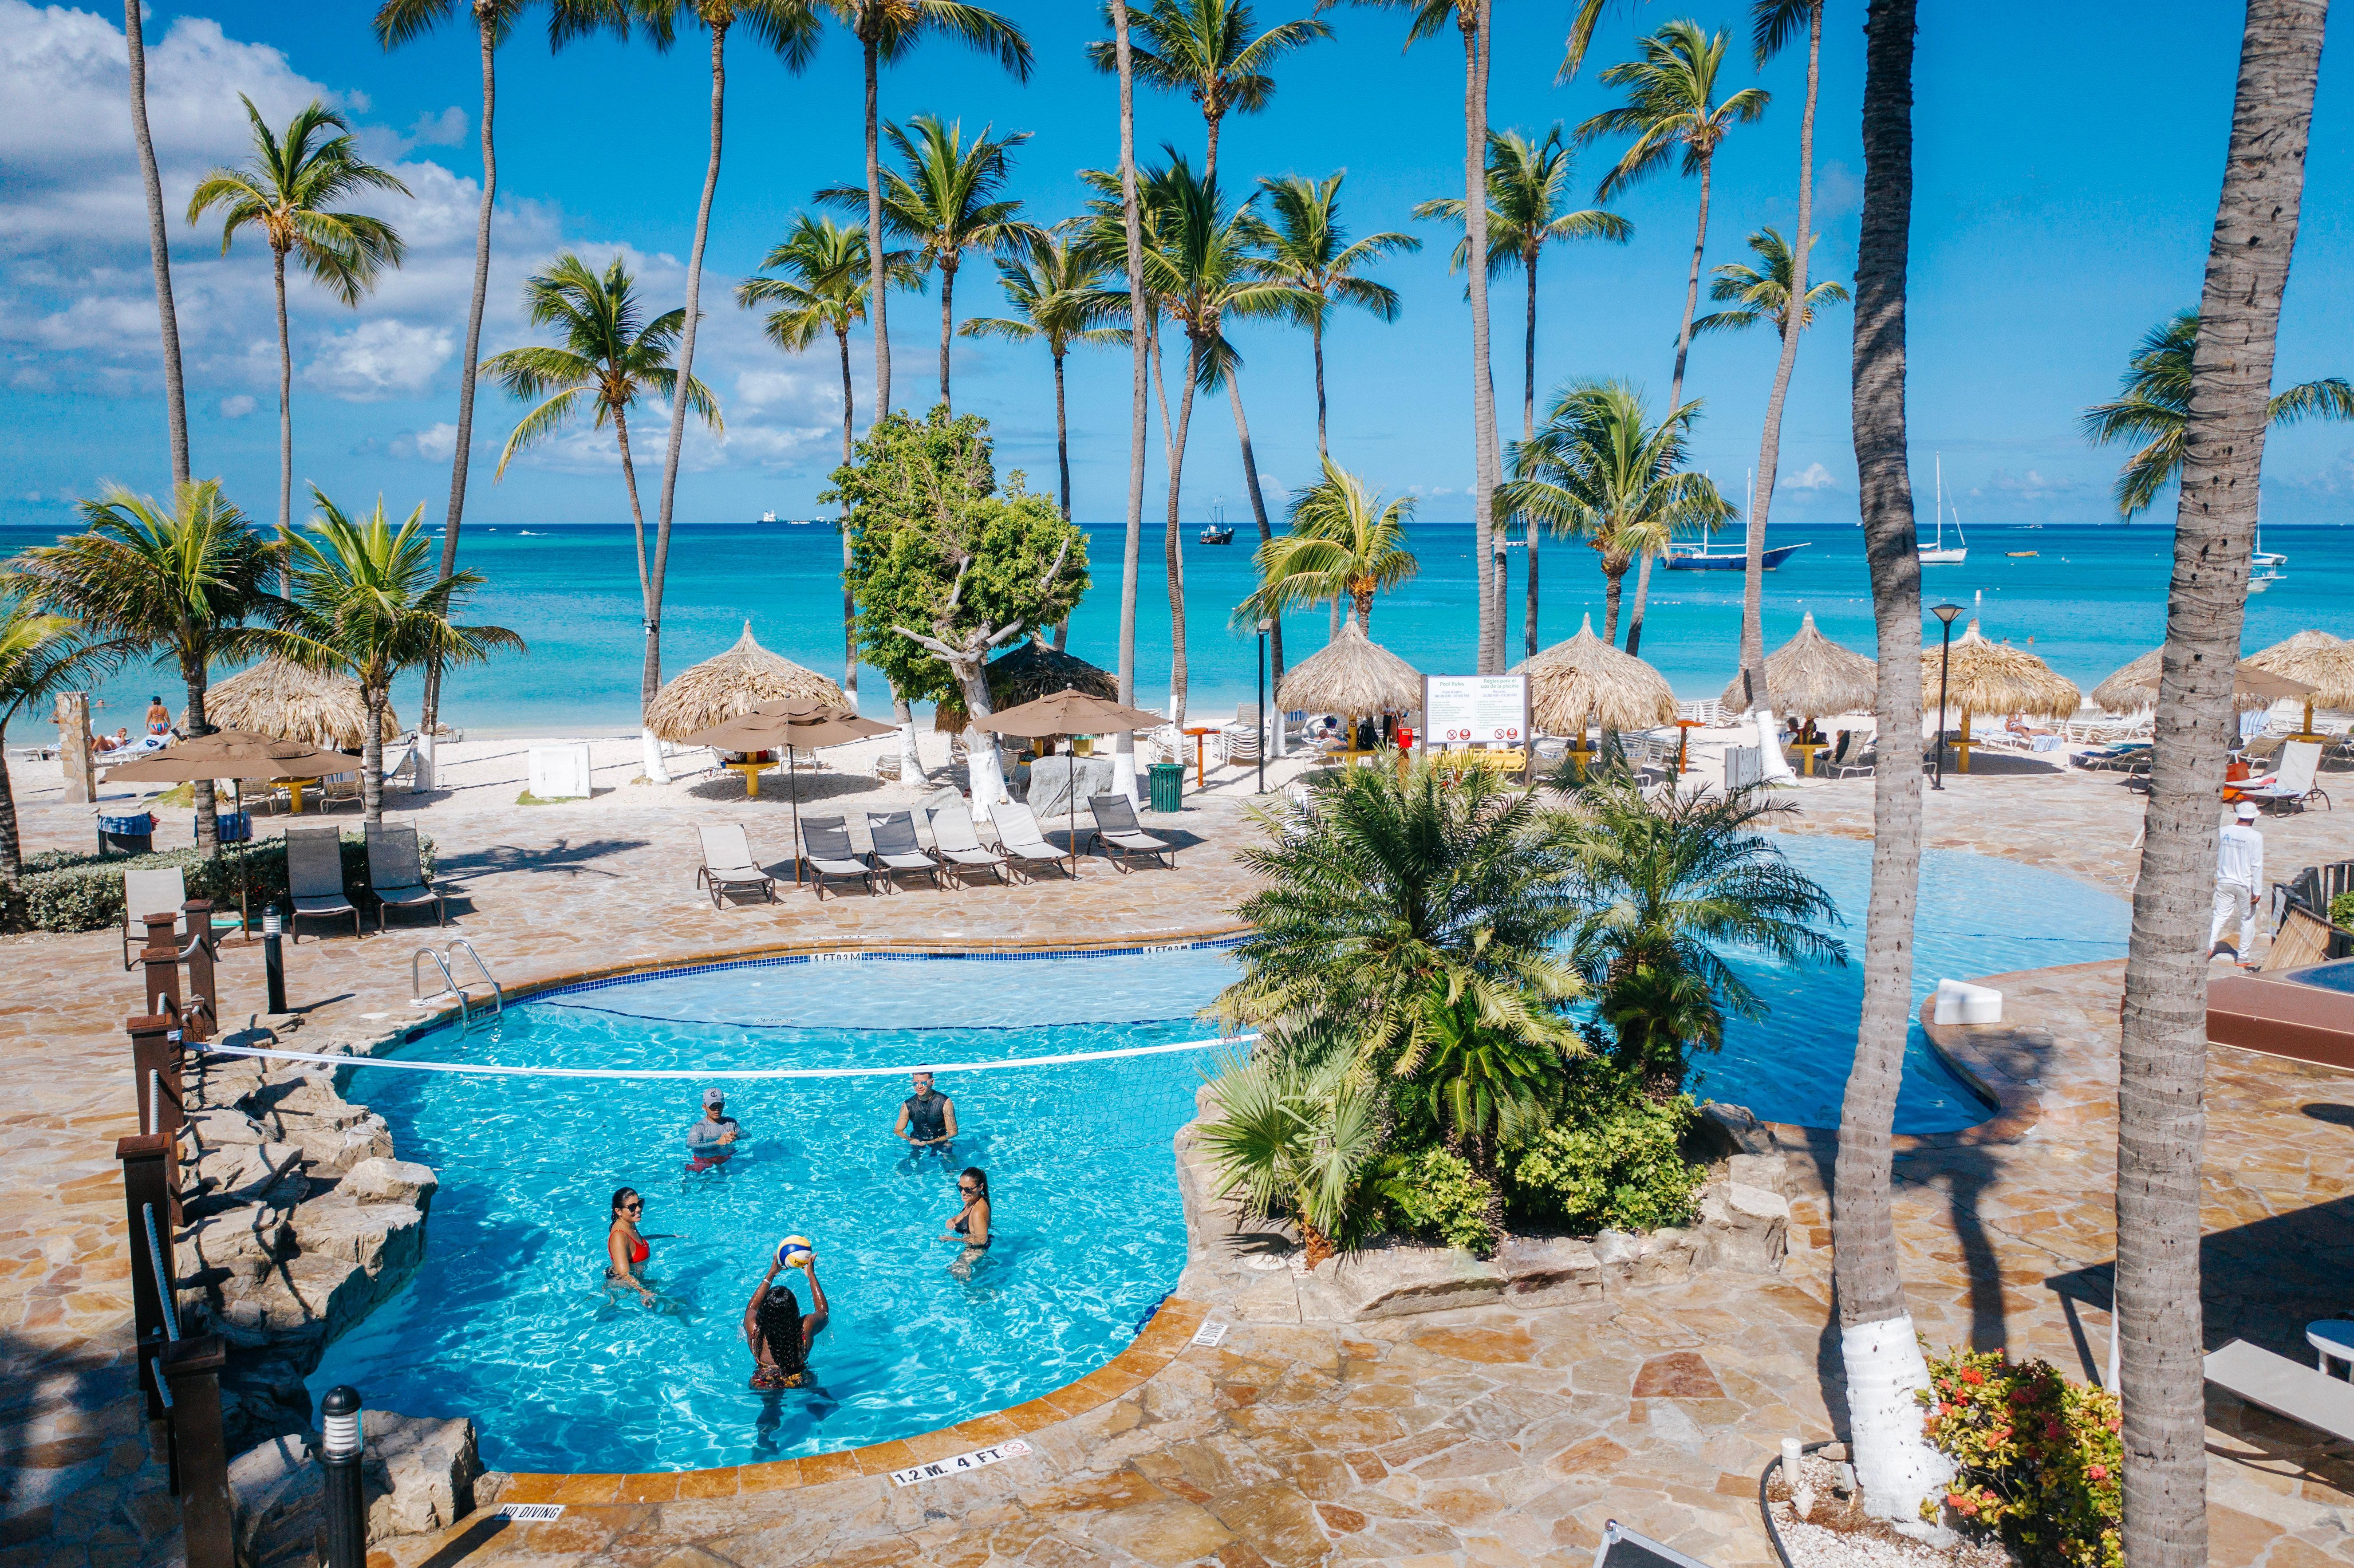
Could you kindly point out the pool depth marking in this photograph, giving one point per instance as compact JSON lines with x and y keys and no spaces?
{"x":960,"y":1464}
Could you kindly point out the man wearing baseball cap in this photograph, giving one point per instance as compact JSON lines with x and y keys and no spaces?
{"x":2239,"y":877}
{"x":712,"y":1139}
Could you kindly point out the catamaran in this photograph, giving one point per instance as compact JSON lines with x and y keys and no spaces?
{"x":1938,"y":555}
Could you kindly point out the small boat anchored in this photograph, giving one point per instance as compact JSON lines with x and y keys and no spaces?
{"x":1219,"y":531}
{"x":1938,"y":555}
{"x":1700,"y":558}
{"x":767,"y":518}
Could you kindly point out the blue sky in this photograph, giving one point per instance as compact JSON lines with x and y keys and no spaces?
{"x":2068,"y":159}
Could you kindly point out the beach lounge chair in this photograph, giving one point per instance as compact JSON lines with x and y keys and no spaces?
{"x":1019,"y":841}
{"x":825,"y":845}
{"x":728,"y":866}
{"x":337,"y":788}
{"x":895,"y":846}
{"x":396,"y":874}
{"x":1120,"y":835}
{"x":1862,"y":760}
{"x":146,"y":893}
{"x":2293,"y":784}
{"x":400,"y":768}
{"x":959,"y":846}
{"x":314,"y":878}
{"x":2280,"y":1385}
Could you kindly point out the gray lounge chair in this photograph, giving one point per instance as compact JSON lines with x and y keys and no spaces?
{"x":826,"y":846}
{"x":396,"y":874}
{"x":1020,"y":842}
{"x":896,"y":848}
{"x":314,"y":878}
{"x":728,"y":866}
{"x":1120,"y":835}
{"x":146,"y":893}
{"x":959,"y":846}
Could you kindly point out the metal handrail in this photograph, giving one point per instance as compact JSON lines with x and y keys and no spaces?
{"x":498,"y":996}
{"x":451,"y":987}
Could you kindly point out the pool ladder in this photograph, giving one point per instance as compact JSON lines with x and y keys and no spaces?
{"x":418,"y":997}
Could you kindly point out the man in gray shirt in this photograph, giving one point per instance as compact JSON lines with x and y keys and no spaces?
{"x":712,"y":1139}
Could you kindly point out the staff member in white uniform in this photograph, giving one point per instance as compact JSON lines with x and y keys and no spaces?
{"x":2239,"y":874}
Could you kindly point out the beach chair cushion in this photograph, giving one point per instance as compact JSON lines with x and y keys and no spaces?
{"x":314,"y":874}
{"x":728,"y":856}
{"x":2283,"y":1387}
{"x":955,"y":839}
{"x":146,"y":893}
{"x":1018,"y":835}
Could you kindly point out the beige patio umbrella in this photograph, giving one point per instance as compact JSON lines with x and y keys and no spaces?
{"x":1810,"y":675}
{"x":1584,"y":681}
{"x":2134,"y":687}
{"x":1070,"y":712}
{"x":1030,"y":672}
{"x":1993,"y":678}
{"x":285,"y":700}
{"x":1353,"y":677}
{"x":734,"y":682}
{"x":2320,"y":661}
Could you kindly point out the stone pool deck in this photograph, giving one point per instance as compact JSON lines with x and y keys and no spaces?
{"x":1485,"y":1436}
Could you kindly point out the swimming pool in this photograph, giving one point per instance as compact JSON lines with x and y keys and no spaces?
{"x":507,"y":1320}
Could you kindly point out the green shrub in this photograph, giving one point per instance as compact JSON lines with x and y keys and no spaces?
{"x":1436,"y":1194}
{"x":2342,"y":911}
{"x":2040,"y":1458}
{"x":64,"y":891}
{"x":1612,"y":1160}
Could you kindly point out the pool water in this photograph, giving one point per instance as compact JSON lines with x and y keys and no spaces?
{"x":507,"y":1318}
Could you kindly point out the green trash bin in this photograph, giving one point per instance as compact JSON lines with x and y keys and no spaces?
{"x":1168,"y":786}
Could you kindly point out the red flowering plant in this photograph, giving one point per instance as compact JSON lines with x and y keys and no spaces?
{"x":2039,"y":1457}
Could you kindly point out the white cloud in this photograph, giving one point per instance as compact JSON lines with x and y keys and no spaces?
{"x":377,"y":359}
{"x":2031,"y":485}
{"x":446,"y":129}
{"x":1814,"y":476}
{"x":435,"y":443}
{"x":237,"y":408}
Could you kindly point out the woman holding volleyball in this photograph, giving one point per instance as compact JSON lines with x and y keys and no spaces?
{"x":778,"y":1332}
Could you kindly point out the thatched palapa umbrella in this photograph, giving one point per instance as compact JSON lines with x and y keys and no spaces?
{"x":2134,"y":688}
{"x":1353,"y":677}
{"x":734,"y":682}
{"x":285,"y":701}
{"x":1030,"y":672}
{"x":1993,"y":678}
{"x":1584,"y":681}
{"x":2321,"y":661}
{"x":1810,"y":675}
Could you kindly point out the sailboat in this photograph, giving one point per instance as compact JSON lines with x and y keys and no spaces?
{"x":1701,"y":559}
{"x":1938,"y":555}
{"x":1220,"y":531}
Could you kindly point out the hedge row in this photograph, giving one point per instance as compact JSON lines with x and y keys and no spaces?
{"x":66,"y":891}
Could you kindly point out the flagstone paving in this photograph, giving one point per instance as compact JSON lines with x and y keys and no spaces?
{"x":1489,"y":1436}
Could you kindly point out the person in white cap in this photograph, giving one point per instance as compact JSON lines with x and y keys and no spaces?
{"x":712,"y":1139}
{"x":2239,"y":875}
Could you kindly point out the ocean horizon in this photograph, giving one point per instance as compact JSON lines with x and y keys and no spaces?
{"x":2090,"y":599}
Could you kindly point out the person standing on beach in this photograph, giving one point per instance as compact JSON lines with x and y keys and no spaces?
{"x":927,"y":1120}
{"x":2239,"y":875}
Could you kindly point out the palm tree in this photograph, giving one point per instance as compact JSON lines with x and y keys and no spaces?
{"x":1526,"y":185}
{"x":1344,"y":544}
{"x":1665,"y":885}
{"x":609,"y":355}
{"x":287,"y":192}
{"x":1295,"y":1142}
{"x":948,"y":199}
{"x":398,"y":22}
{"x":159,"y":249}
{"x":790,"y":27}
{"x":2153,"y":407}
{"x":1772,"y":24}
{"x":1123,"y":760}
{"x":2162,"y":1067}
{"x":368,"y":604}
{"x":1308,"y":248}
{"x":178,"y":583}
{"x":1764,"y":294}
{"x":39,"y":654}
{"x":826,"y":291}
{"x":1671,"y":103}
{"x":887,"y":30}
{"x":1204,"y":48}
{"x":1600,"y":471}
{"x":1879,"y":1351}
{"x":1054,"y":286}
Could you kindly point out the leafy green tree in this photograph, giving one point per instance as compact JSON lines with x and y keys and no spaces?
{"x":289,"y":192}
{"x":39,"y":655}
{"x":1054,"y":287}
{"x":1344,"y":544}
{"x":1763,"y":294}
{"x":948,"y":570}
{"x":178,"y":584}
{"x":1479,"y":1087}
{"x":368,"y":603}
{"x":2155,"y":409}
{"x":1599,"y":471}
{"x":1297,"y":1142}
{"x":1307,"y":247}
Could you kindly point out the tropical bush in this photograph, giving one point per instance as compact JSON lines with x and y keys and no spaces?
{"x":1436,"y":1193}
{"x":1612,"y":1158}
{"x":65,"y":890}
{"x":2342,"y":911}
{"x":2041,"y":1458}
{"x":1297,"y":1142}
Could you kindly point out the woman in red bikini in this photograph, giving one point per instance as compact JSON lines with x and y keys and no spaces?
{"x":778,"y":1331}
{"x":625,"y":1250}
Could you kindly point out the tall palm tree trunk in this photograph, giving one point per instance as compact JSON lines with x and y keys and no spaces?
{"x":2161,"y":1124}
{"x":875,"y":302}
{"x":842,"y":525}
{"x":1475,"y":16}
{"x":285,"y":401}
{"x":1172,"y":542}
{"x":1528,"y":433}
{"x":1770,"y":444}
{"x":1123,"y":760}
{"x":637,"y":511}
{"x":1675,"y":392}
{"x":196,"y":676}
{"x":460,"y":457}
{"x":1316,"y":339}
{"x":1613,"y":580}
{"x":1062,"y":469}
{"x":948,"y":322}
{"x":1883,"y":1361}
{"x":371,"y":755}
{"x":1258,"y":510}
{"x":649,"y":682}
{"x":12,"y":841}
{"x":176,"y":396}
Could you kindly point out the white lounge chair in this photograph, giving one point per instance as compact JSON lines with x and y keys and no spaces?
{"x":1121,"y":835}
{"x":314,"y":878}
{"x":2284,"y":1388}
{"x":1018,"y":838}
{"x":396,"y":874}
{"x":959,"y":846}
{"x":146,"y":893}
{"x":826,"y":846}
{"x":2293,"y":784}
{"x":896,"y":848}
{"x":728,"y":866}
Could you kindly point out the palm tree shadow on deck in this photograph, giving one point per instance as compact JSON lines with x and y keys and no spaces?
{"x":562,"y":858}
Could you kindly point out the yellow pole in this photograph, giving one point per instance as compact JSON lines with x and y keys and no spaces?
{"x":1964,"y":747}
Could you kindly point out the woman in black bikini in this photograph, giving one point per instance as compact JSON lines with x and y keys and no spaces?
{"x":970,"y":1225}
{"x":778,"y":1331}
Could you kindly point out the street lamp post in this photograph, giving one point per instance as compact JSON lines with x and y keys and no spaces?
{"x":1945,"y":614}
{"x":1265,"y":625}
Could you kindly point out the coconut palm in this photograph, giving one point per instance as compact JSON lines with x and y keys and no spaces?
{"x":1140,"y":396}
{"x":1204,"y":48}
{"x":159,"y":250}
{"x":1344,"y":546}
{"x":288,"y":192}
{"x":1308,"y":248}
{"x":1773,"y":23}
{"x":2153,"y":408}
{"x":1601,"y":471}
{"x":1526,"y":185}
{"x":887,"y":30}
{"x":2162,"y":1069}
{"x":609,"y":355}
{"x":40,"y":653}
{"x":1055,"y":285}
{"x":1763,"y":294}
{"x":178,"y":583}
{"x":367,"y":603}
{"x":948,"y":199}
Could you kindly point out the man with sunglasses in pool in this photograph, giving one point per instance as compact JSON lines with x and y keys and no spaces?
{"x":927,"y":1120}
{"x":711,"y":1141}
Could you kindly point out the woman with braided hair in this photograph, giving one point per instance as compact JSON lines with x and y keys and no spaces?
{"x":778,"y":1333}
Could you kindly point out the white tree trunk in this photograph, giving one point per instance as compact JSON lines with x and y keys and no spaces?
{"x":650,"y":752}
{"x":911,"y":755}
{"x":1893,"y":1464}
{"x":987,"y":777}
{"x":425,"y":747}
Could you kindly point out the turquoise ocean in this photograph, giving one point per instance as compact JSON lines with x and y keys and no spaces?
{"x":2089,"y":599}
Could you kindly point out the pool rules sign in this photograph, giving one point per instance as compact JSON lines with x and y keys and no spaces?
{"x":1475,"y":710}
